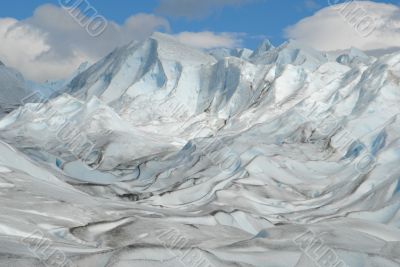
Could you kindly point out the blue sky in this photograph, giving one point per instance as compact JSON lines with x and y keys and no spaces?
{"x":43,"y":41}
{"x":258,"y":18}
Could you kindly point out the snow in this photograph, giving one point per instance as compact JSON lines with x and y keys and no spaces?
{"x":237,"y":154}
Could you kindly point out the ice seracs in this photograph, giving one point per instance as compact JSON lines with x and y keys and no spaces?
{"x":250,"y":158}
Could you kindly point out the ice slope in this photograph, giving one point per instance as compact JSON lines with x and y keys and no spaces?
{"x":12,"y":89}
{"x":163,"y":155}
{"x":16,"y":91}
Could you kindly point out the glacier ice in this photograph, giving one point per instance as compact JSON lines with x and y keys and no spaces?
{"x":164,"y":155}
{"x":12,"y":89}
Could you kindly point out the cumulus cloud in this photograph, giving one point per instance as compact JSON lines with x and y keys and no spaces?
{"x":208,"y":40}
{"x":195,"y":8}
{"x":51,"y":44}
{"x":366,"y":25}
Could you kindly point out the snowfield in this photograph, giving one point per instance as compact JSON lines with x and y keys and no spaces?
{"x":164,"y":155}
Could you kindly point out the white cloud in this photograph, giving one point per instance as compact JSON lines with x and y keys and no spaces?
{"x":51,"y":44}
{"x":362,"y":24}
{"x":208,"y":40}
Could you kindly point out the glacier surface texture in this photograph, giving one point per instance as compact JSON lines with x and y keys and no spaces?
{"x":164,"y":155}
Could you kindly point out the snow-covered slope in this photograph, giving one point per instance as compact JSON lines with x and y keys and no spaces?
{"x":164,"y":155}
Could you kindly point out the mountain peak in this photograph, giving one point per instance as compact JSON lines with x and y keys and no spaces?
{"x":265,"y":46}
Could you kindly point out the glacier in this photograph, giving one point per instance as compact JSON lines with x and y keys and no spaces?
{"x":13,"y":89}
{"x":161,"y":154}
